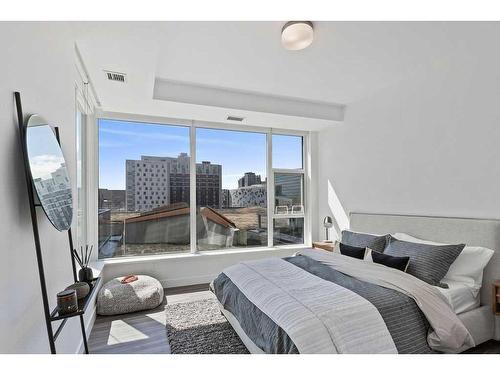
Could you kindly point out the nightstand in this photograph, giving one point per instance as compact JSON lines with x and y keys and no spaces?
{"x":496,"y":298}
{"x":328,"y":246}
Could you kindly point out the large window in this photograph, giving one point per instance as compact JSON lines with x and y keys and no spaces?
{"x":243,"y":189}
{"x":231,"y":189}
{"x":143,"y":189}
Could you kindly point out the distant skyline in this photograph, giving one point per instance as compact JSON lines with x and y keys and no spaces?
{"x":238,"y":152}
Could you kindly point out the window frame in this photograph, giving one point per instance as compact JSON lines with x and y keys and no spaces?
{"x":194,"y":125}
{"x":80,"y":201}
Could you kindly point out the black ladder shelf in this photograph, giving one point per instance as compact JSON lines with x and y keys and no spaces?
{"x":83,"y":304}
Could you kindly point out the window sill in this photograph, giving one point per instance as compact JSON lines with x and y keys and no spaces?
{"x":99,"y":264}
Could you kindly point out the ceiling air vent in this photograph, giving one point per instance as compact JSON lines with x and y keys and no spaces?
{"x":115,"y":76}
{"x":235,"y":118}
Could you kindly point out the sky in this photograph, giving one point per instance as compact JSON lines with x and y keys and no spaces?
{"x":44,"y":153}
{"x":238,"y":152}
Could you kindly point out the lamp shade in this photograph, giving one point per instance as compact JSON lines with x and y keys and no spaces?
{"x":297,"y":35}
{"x":328,"y":222}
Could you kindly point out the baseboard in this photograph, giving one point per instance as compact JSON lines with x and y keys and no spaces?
{"x":185,"y":281}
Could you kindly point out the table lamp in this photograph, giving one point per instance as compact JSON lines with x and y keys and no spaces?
{"x":327,"y":223}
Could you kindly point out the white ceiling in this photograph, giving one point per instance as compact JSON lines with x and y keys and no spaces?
{"x":346,"y":62}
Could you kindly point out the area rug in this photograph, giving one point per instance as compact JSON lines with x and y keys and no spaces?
{"x":200,"y":328}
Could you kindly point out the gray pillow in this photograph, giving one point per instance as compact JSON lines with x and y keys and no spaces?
{"x":429,"y":263}
{"x":357,"y":239}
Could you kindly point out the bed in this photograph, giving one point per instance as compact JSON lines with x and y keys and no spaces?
{"x":285,"y":305}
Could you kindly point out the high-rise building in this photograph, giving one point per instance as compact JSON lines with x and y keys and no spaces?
{"x":157,"y":181}
{"x":249,"y":179}
{"x":226,"y":198}
{"x":208,"y":184}
{"x":288,"y":188}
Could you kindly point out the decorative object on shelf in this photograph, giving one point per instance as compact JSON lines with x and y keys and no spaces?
{"x":67,"y":302}
{"x":327,"y":223}
{"x":83,"y":304}
{"x":85,"y":273}
{"x":82,"y":289}
{"x":128,"y":279}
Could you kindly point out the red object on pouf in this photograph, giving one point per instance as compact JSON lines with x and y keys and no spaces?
{"x":129,"y":279}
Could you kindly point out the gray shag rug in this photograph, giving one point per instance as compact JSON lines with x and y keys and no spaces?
{"x":200,"y":328}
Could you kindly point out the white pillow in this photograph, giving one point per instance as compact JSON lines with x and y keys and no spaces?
{"x":467,"y":268}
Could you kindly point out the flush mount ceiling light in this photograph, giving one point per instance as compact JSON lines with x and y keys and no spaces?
{"x":297,"y":35}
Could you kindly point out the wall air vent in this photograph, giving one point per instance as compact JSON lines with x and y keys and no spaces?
{"x":115,"y":76}
{"x":235,"y":118}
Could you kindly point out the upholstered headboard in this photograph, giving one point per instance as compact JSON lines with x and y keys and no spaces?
{"x":473,"y":232}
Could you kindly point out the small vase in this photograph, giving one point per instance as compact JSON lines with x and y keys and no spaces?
{"x":85,"y":274}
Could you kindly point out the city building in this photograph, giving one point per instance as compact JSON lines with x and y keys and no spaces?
{"x":249,"y":196}
{"x":226,"y":198}
{"x":208,"y":184}
{"x":154,"y":181}
{"x":112,"y":199}
{"x":288,"y":189}
{"x":249,"y":179}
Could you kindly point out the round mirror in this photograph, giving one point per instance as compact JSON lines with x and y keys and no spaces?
{"x":49,"y":173}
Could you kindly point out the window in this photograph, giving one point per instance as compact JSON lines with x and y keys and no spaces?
{"x":231,"y":190}
{"x":243,"y":189}
{"x":288,"y":178}
{"x":287,"y":152}
{"x":131,"y":224}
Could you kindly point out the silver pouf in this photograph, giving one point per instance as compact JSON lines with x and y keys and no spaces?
{"x":116,"y":298}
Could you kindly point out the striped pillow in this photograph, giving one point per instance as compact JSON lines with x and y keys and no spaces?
{"x":429,"y":263}
{"x":358,"y":239}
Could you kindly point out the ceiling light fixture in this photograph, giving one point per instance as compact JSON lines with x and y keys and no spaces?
{"x":297,"y":35}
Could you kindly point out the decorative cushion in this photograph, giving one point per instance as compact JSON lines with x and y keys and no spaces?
{"x":427,"y":262}
{"x":352,"y":251}
{"x":116,"y":298}
{"x":467,"y":268}
{"x":358,"y":239}
{"x":399,"y":263}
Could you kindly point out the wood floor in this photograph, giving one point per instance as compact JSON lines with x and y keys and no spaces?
{"x":144,"y":332}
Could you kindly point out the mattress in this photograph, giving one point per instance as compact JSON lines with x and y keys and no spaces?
{"x":461,"y":297}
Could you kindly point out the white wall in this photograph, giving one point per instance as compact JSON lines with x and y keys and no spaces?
{"x":427,"y":145}
{"x":37,"y":60}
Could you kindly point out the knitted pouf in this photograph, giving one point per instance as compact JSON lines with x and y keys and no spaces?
{"x":116,"y":298}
